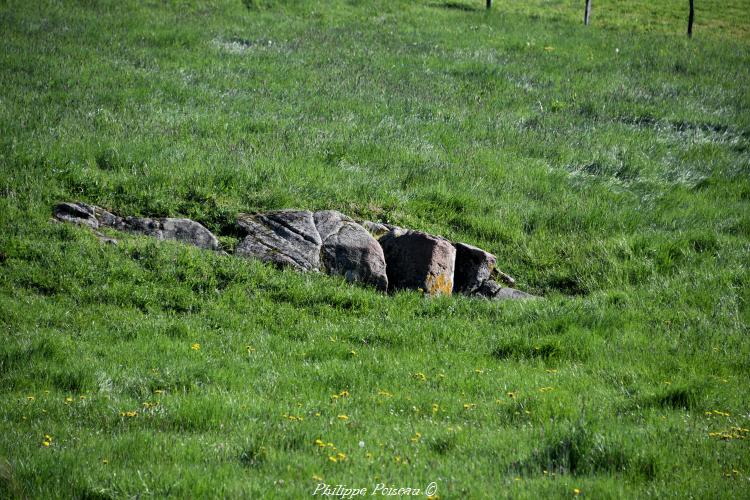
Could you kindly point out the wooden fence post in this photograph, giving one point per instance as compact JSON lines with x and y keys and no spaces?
{"x":587,"y":13}
{"x":489,"y":4}
{"x":690,"y":20}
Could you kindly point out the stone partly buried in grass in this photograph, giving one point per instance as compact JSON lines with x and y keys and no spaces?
{"x":349,"y":250}
{"x":327,"y":241}
{"x":417,"y":260}
{"x":381,"y":255}
{"x":284,"y":238}
{"x":182,"y":230}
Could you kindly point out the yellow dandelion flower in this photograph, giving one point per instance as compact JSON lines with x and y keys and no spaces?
{"x":343,"y":417}
{"x":319,"y":443}
{"x":344,"y":394}
{"x":68,"y":400}
{"x":159,"y":391}
{"x":316,"y":477}
{"x":30,"y":398}
{"x":341,"y":456}
{"x":105,"y":461}
{"x":435,"y":407}
{"x":353,"y":352}
{"x":576,"y":491}
{"x":368,"y":455}
{"x":512,"y":395}
{"x":386,"y":394}
{"x":469,"y":406}
{"x":333,"y":459}
{"x":545,"y":389}
{"x":417,"y":436}
{"x":478,"y":370}
{"x":46,"y":443}
{"x":250,"y":348}
{"x":420,"y":376}
{"x":196,"y":346}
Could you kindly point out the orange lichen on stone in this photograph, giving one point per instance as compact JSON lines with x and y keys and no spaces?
{"x":439,"y":285}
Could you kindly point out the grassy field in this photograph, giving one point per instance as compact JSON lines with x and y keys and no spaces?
{"x":607,"y":167}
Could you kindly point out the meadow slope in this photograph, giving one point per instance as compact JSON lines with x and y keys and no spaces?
{"x":606,"y":166}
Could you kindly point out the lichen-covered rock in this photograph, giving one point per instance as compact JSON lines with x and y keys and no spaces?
{"x":492,"y":290}
{"x":474,"y":266}
{"x":377,"y":229}
{"x":349,"y":250}
{"x":284,"y":238}
{"x":416,"y":260}
{"x":182,"y":230}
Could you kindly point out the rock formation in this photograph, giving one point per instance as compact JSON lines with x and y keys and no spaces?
{"x":381,"y":255}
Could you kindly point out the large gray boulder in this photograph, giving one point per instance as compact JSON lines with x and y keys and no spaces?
{"x":182,"y":230}
{"x":419,"y":261}
{"x":284,"y":238}
{"x":349,"y":250}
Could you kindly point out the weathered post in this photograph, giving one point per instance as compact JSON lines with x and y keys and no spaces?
{"x":690,"y":20}
{"x":587,"y":13}
{"x":489,"y":4}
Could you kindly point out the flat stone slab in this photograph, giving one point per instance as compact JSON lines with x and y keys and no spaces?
{"x":178,"y":229}
{"x":182,"y":230}
{"x":284,"y":238}
{"x":492,"y":290}
{"x":419,"y":261}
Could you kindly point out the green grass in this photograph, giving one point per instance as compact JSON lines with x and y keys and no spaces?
{"x":607,"y":167}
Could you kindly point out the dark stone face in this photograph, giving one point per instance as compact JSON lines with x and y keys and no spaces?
{"x":474,"y":266}
{"x":416,"y":260}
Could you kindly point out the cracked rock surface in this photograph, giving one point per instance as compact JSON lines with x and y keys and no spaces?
{"x":284,"y":238}
{"x":178,"y":229}
{"x":382,"y":255}
{"x":349,"y":250}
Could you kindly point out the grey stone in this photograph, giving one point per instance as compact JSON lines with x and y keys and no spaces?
{"x":474,"y":266}
{"x":182,"y":230}
{"x":76,"y":213}
{"x":416,"y":260}
{"x":283,"y":238}
{"x":492,"y":290}
{"x":349,"y":250}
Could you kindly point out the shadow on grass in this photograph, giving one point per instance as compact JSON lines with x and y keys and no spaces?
{"x":578,"y":452}
{"x":456,"y":6}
